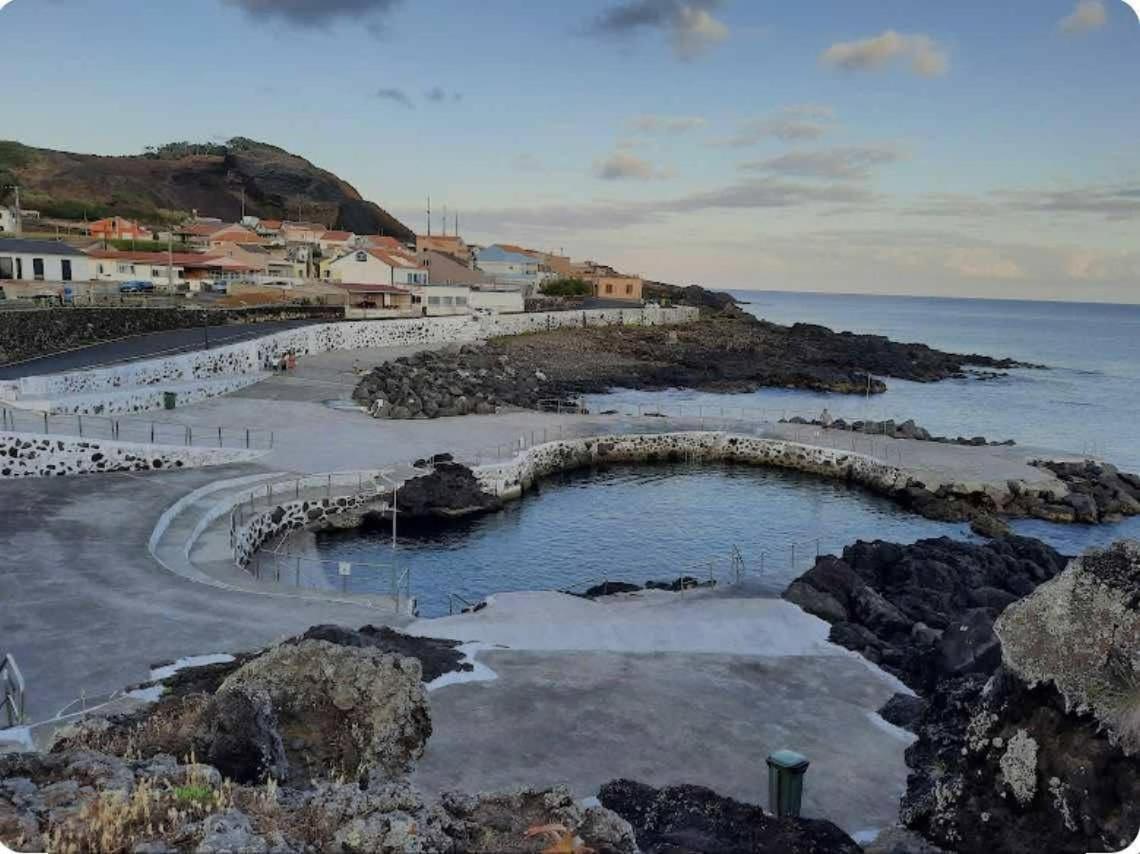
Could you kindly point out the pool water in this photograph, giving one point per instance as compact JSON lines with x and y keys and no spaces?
{"x":639,"y":523}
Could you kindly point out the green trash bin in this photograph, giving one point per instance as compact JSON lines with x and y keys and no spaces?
{"x":786,"y":770}
{"x":169,"y":399}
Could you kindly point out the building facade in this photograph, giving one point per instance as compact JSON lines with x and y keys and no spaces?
{"x":42,"y":261}
{"x":374,"y":267}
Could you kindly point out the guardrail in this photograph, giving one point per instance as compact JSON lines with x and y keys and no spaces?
{"x":286,"y":567}
{"x":131,"y":430}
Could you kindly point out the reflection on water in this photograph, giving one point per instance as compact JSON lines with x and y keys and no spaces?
{"x":634,"y":524}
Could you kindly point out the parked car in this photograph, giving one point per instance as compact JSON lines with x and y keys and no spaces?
{"x":136,"y":287}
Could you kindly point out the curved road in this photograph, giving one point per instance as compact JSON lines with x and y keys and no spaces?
{"x":148,"y":346}
{"x":84,"y":606}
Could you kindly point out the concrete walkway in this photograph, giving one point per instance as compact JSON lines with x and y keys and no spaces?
{"x":83,"y":605}
{"x":665,"y":689}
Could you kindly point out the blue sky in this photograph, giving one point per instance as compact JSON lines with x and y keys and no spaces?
{"x":966,"y":148}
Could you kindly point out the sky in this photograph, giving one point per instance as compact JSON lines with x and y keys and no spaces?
{"x":967,"y":148}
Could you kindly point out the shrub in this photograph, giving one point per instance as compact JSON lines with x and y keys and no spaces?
{"x":566,"y":287}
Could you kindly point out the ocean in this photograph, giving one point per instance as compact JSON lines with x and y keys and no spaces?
{"x":1087,"y":401}
{"x":575,"y":530}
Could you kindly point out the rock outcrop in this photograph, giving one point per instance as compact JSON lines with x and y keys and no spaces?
{"x":723,"y":354}
{"x":924,"y":612}
{"x":1027,"y":725}
{"x":897,"y":430}
{"x":341,"y":710}
{"x":696,"y":819}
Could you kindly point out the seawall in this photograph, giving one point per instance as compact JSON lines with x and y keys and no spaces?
{"x":247,"y":359}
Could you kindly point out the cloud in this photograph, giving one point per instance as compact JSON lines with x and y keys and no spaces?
{"x":665,"y":124}
{"x":621,"y":165}
{"x":1087,"y":16}
{"x":315,"y":13}
{"x":927,"y":58}
{"x":1113,"y":202}
{"x":399,"y":96}
{"x":437,"y":95}
{"x":978,"y":263}
{"x":758,"y":194}
{"x":689,"y":24}
{"x":798,"y":123}
{"x":847,"y":163}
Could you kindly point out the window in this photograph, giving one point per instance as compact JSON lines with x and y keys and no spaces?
{"x":447,"y":300}
{"x":609,"y":289}
{"x":158,"y":272}
{"x":65,"y":269}
{"x":126,"y":268}
{"x":433,"y":300}
{"x":38,"y":269}
{"x":629,"y":289}
{"x":100,"y":269}
{"x":461,"y":300}
{"x":6,"y":268}
{"x":362,"y":256}
{"x":19,"y":268}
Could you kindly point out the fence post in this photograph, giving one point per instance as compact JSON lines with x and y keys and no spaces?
{"x":247,"y":438}
{"x":271,"y":440}
{"x":330,"y":487}
{"x":219,"y":437}
{"x":189,"y":435}
{"x":152,"y":432}
{"x":46,"y":430}
{"x":79,"y":418}
{"x":793,"y":557}
{"x":298,"y":571}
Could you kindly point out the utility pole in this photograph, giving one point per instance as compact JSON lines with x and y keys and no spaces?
{"x":429,"y":216}
{"x":170,"y":259}
{"x":243,"y":204}
{"x":445,"y":220}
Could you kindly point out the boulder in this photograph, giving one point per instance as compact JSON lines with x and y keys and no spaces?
{"x":436,"y":656}
{"x":238,"y":734}
{"x":341,"y":709}
{"x":696,"y":819}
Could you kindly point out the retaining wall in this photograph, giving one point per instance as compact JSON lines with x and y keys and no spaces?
{"x":511,"y":479}
{"x":27,"y":334}
{"x":143,"y":398}
{"x":248,"y":358}
{"x":33,"y":455}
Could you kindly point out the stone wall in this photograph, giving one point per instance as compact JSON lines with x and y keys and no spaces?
{"x":32,"y":455}
{"x":251,"y":357}
{"x":140,"y":398}
{"x":253,"y":533}
{"x":513,"y":478}
{"x":28,"y":334}
{"x":510,"y":480}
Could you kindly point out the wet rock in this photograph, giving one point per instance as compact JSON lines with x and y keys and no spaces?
{"x":695,"y":819}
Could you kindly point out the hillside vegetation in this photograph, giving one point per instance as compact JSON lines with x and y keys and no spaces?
{"x":168,"y":183}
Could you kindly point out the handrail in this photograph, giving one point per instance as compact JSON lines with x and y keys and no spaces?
{"x":15,"y":691}
{"x":148,"y":432}
{"x":451,"y":597}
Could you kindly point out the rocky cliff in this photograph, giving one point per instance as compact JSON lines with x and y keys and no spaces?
{"x":167,"y":183}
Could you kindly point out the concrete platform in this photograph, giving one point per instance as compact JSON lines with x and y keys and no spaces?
{"x":665,"y":689}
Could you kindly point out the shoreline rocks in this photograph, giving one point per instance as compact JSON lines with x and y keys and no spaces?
{"x":722,"y":354}
{"x":906,"y":430}
{"x":1027,"y":723}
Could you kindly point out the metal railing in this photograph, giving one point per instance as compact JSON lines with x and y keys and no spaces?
{"x":13,"y":691}
{"x":133,"y":430}
{"x":281,"y":566}
{"x":459,"y":604}
{"x":313,"y":487}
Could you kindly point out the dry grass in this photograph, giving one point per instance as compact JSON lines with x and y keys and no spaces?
{"x":113,"y":821}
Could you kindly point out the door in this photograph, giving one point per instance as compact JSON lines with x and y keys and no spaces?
{"x":65,"y":266}
{"x":38,"y":269}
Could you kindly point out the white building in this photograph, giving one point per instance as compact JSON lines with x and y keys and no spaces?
{"x":9,"y":224}
{"x":444,"y":299}
{"x":374,"y":267}
{"x":42,"y":261}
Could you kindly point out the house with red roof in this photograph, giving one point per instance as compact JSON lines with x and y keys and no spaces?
{"x":375,"y":267}
{"x":118,"y":228}
{"x":336,"y":242}
{"x":166,"y":270}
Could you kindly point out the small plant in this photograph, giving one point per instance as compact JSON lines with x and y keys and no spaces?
{"x":564,"y":841}
{"x":193,"y":794}
{"x":566,"y":287}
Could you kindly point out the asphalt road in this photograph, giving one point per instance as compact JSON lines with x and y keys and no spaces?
{"x":147,"y":346}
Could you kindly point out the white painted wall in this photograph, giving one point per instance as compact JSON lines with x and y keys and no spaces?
{"x":53,"y":266}
{"x":504,"y":301}
{"x":140,"y":382}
